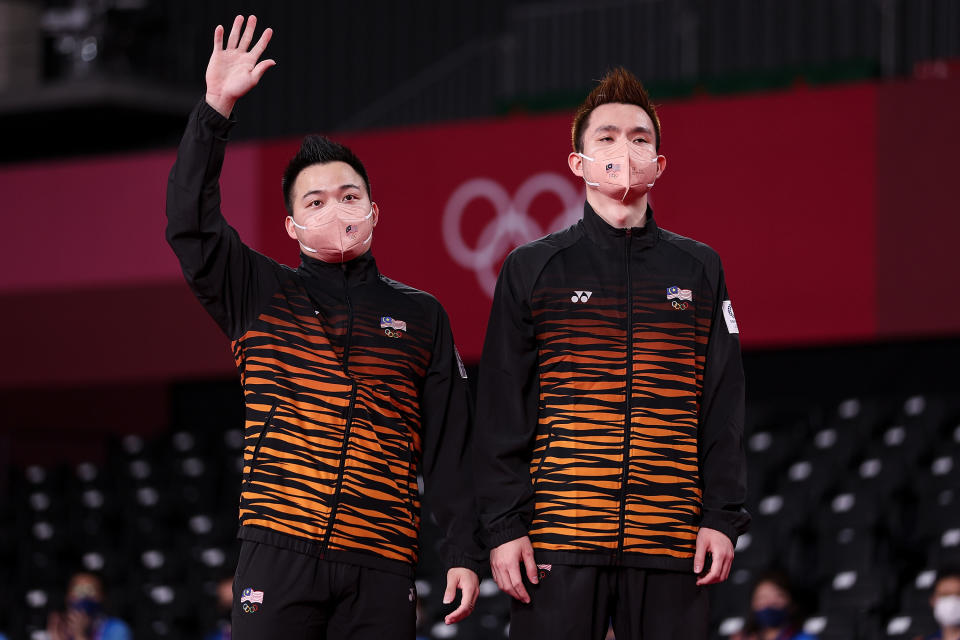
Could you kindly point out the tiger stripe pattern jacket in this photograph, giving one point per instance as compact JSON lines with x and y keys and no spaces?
{"x":352,"y":384}
{"x":611,"y":399}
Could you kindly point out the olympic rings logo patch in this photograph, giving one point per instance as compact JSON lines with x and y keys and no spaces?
{"x":682,"y":306}
{"x":250,"y":600}
{"x":511,"y":225}
{"x":393,"y":333}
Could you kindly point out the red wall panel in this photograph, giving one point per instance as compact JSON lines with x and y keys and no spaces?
{"x":807,"y":194}
{"x":918,"y":208}
{"x":782,"y":185}
{"x":99,"y":221}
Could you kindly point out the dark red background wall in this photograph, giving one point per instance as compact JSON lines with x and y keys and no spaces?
{"x":918,"y":209}
{"x":834,"y":210}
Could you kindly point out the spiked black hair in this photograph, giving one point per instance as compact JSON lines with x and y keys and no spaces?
{"x":318,"y":150}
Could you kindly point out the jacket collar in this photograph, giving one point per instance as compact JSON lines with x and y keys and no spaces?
{"x":361,"y":269}
{"x":598,"y":230}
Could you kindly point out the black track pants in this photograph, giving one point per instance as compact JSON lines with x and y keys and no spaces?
{"x":578,"y":603}
{"x":284,"y":594}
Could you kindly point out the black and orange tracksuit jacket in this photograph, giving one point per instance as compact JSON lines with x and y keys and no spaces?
{"x":611,"y":399}
{"x":352,"y":385}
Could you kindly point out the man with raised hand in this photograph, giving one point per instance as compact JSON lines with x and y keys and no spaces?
{"x":352,"y":383}
{"x":609,"y":459}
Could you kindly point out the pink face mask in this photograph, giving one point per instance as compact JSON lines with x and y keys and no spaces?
{"x":620,"y":169}
{"x":337,"y":233}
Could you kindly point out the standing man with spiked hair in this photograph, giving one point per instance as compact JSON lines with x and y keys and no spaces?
{"x":610,"y":468}
{"x":352,"y":383}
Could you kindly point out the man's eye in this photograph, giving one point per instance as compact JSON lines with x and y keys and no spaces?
{"x":316,"y":203}
{"x":605,"y":138}
{"x":350,"y":196}
{"x":640,"y":140}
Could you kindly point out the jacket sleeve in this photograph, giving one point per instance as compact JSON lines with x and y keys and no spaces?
{"x":231,"y":280}
{"x":722,"y":459}
{"x":447,"y":414}
{"x":507,"y":401}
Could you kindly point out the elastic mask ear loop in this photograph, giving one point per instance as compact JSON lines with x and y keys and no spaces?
{"x":585,"y":157}
{"x":370,"y":235}
{"x":300,"y":226}
{"x":655,"y":158}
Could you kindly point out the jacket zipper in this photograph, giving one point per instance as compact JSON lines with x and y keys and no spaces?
{"x":626,"y":419}
{"x":346,"y":432}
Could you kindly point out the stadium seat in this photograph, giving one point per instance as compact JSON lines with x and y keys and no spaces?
{"x":904,"y":626}
{"x":157,"y":518}
{"x":945,"y":549}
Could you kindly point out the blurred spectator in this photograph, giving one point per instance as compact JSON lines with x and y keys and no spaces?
{"x":773,"y":611}
{"x":84,"y":618}
{"x":946,"y":605}
{"x":224,"y":606}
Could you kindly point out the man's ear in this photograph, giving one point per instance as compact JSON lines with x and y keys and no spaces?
{"x":291,"y":229}
{"x":376,"y":213}
{"x":576,"y":164}
{"x":661,"y":165}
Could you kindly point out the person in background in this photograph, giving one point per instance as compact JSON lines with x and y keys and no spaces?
{"x":224,"y":607}
{"x":84,"y":618}
{"x":945,"y":602}
{"x":773,"y":611}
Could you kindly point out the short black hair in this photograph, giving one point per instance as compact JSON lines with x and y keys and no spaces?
{"x":318,"y":150}
{"x":947,"y":571}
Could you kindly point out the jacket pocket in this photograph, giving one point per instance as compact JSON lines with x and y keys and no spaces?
{"x":414,"y":493}
{"x":546,"y":451}
{"x":256,"y":448}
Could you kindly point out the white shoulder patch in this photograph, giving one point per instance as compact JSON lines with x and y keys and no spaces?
{"x":729,"y":317}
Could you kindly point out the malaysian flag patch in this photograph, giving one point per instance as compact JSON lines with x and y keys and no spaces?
{"x":676,"y":293}
{"x":386,"y":322}
{"x":251,"y":595}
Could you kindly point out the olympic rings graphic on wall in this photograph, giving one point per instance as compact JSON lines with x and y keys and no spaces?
{"x":511,"y":225}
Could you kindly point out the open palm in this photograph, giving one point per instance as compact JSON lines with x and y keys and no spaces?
{"x":234,"y":70}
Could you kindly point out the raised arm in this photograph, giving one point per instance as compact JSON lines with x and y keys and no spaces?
{"x":231,"y":280}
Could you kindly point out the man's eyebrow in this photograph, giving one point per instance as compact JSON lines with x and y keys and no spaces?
{"x":607,"y":127}
{"x":612,"y":128}
{"x":321,"y":192}
{"x":312,"y":193}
